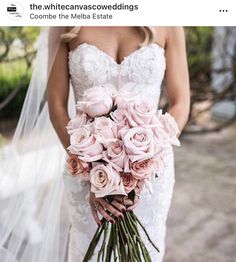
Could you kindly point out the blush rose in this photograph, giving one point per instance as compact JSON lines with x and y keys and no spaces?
{"x":140,"y":113}
{"x":105,"y":130}
{"x":85,"y":145}
{"x":139,"y":143}
{"x":143,"y":169}
{"x":115,"y":155}
{"x":105,"y":181}
{"x":97,"y":100}
{"x":77,"y":167}
{"x":76,"y":122}
{"x":171,"y":128}
{"x":129,"y":181}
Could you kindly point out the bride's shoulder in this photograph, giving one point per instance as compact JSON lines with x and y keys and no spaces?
{"x":161,"y":35}
{"x":174,"y":32}
{"x":169,"y":30}
{"x":170,"y":35}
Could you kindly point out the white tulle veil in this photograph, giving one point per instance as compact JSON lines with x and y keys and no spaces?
{"x":34,"y":220}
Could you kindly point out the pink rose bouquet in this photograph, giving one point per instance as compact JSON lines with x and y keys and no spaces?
{"x":116,"y":144}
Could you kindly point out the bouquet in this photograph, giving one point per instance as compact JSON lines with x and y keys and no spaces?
{"x":116,"y":144}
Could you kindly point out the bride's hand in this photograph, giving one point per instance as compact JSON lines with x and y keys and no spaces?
{"x":130,"y":205}
{"x":138,"y":189}
{"x":101,"y":205}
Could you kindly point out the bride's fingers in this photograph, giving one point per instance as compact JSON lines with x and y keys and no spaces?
{"x":128,"y":202}
{"x":124,"y":200}
{"x":132,"y":207}
{"x":110,"y":208}
{"x":118,"y":205}
{"x":118,"y":198}
{"x":100,"y":208}
{"x":103,"y":212}
{"x":94,"y":211}
{"x":95,"y":214}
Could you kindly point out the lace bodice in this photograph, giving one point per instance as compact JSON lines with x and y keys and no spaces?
{"x":142,"y":71}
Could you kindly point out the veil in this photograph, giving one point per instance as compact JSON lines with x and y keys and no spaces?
{"x":34,"y":221}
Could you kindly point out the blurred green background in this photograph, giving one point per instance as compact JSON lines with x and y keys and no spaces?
{"x":16,"y":55}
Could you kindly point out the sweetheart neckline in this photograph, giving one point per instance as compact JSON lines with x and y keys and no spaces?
{"x":112,"y":58}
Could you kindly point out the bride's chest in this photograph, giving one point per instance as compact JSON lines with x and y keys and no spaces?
{"x":89,"y":65}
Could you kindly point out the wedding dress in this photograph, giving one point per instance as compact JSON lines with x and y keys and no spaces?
{"x":140,"y":72}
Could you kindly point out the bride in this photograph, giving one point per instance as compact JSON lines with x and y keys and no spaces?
{"x":46,"y":213}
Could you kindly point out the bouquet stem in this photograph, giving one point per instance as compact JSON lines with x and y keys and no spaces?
{"x":121,"y":241}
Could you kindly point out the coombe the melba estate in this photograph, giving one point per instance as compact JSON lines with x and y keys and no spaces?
{"x":81,"y":16}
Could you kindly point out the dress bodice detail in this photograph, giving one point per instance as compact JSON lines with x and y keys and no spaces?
{"x":142,"y":71}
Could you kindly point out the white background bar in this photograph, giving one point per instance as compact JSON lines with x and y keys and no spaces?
{"x":149,"y":12}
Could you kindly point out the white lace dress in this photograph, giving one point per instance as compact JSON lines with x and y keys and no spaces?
{"x":146,"y":67}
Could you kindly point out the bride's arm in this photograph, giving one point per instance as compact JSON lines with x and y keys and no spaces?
{"x":58,"y":93}
{"x":177,"y":75}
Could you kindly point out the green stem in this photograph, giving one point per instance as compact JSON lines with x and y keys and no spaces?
{"x":101,"y":251}
{"x":145,"y":231}
{"x":132,"y":232}
{"x":131,"y":224}
{"x":123,"y":243}
{"x":106,"y":229}
{"x":93,"y":243}
{"x":118,"y":242}
{"x":138,"y":238}
{"x":125,"y":230}
{"x":114,"y":241}
{"x":144,"y":252}
{"x":138,"y":246}
{"x":109,"y":246}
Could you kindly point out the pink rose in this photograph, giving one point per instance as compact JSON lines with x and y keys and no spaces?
{"x":160,"y":129}
{"x":115,"y":155}
{"x":85,"y":145}
{"x":123,"y":98}
{"x":161,"y":138}
{"x":159,"y":163}
{"x":78,"y":167}
{"x":139,"y":187}
{"x":156,"y":119}
{"x":118,"y":116}
{"x":105,"y":130}
{"x":139,"y":143}
{"x":129,"y":181}
{"x":97,"y":101}
{"x":143,"y":169}
{"x":105,"y":181}
{"x":76,"y":122}
{"x":140,"y":113}
{"x":171,"y":128}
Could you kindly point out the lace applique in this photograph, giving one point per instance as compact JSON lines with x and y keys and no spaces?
{"x":145,"y":67}
{"x":78,"y":198}
{"x":90,"y":66}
